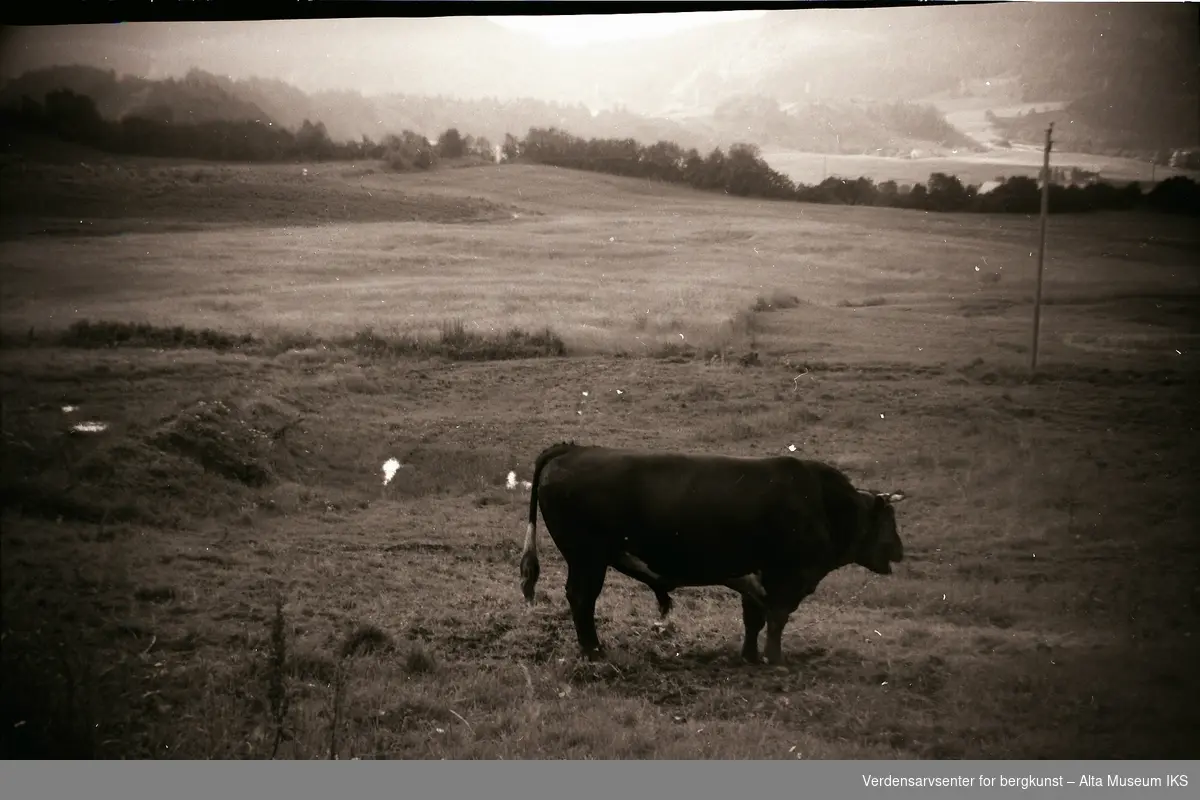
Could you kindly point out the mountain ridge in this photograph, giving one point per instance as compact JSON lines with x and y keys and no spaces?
{"x":1106,"y":58}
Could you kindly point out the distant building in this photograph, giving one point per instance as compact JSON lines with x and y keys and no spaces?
{"x":1186,"y":158}
{"x":1073,"y":176}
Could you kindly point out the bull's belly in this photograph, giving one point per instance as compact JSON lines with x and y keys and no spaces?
{"x":684,"y":563}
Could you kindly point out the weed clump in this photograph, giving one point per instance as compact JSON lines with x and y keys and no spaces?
{"x":419,"y":661}
{"x":366,"y":639}
{"x":457,"y":343}
{"x":277,"y":691}
{"x":775,"y":301}
{"x":106,"y":334}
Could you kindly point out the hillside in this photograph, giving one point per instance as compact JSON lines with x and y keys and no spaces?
{"x":1123,"y":58}
{"x":1053,"y":50}
{"x":348,"y":116}
{"x":876,"y":128}
{"x":1144,"y":125}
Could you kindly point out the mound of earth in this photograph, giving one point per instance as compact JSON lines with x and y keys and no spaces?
{"x":221,"y":440}
{"x":211,"y":452}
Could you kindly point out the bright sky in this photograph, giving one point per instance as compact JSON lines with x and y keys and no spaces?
{"x":572,"y":30}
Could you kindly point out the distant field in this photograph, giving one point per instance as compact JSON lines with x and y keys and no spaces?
{"x":971,"y":168}
{"x":1046,"y":606}
{"x":612,"y":264}
{"x":969,"y":115}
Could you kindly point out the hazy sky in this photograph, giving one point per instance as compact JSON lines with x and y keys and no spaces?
{"x":573,"y":30}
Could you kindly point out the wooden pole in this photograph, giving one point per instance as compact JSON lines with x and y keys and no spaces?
{"x":1037,"y":298}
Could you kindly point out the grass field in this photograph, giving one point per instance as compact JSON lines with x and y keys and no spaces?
{"x":971,"y":168}
{"x":222,"y":573}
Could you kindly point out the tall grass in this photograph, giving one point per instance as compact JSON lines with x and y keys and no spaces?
{"x":455,"y":341}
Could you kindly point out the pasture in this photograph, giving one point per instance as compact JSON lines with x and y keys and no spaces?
{"x":971,"y":168}
{"x":221,"y":572}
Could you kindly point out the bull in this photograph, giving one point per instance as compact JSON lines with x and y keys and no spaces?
{"x":769,"y":528}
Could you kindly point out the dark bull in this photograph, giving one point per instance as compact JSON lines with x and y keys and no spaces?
{"x":769,"y":528}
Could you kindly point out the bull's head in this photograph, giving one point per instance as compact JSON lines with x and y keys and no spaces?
{"x":880,"y":545}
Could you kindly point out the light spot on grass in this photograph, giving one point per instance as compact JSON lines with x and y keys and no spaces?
{"x":389,"y":470}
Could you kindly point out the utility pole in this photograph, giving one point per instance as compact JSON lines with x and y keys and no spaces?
{"x":1037,"y":298}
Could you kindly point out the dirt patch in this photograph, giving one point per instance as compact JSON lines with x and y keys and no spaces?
{"x":987,"y":307}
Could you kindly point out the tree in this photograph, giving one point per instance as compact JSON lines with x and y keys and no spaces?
{"x":663,"y":160}
{"x":946,"y":192}
{"x":74,"y":116}
{"x":483,"y":148}
{"x":409,"y":151}
{"x":511,"y":148}
{"x":313,"y":141}
{"x":451,"y":145}
{"x":1175,"y":195}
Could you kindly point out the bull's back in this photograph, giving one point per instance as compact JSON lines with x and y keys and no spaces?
{"x":680,"y":513}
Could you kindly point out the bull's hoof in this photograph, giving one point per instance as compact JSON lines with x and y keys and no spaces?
{"x":751,"y":657}
{"x":594,"y":654}
{"x":664,"y":607}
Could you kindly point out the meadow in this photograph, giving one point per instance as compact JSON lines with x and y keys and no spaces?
{"x":222,"y":573}
{"x":973,"y":169}
{"x":969,"y":115}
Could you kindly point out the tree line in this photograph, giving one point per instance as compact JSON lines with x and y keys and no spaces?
{"x":742,"y":172}
{"x":154,"y":131}
{"x":739,"y":171}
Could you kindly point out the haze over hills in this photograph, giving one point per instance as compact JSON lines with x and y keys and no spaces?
{"x":815,"y":79}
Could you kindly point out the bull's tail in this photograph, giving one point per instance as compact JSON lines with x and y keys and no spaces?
{"x":530,"y":567}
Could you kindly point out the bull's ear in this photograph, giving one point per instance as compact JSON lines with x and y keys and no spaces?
{"x":893,"y":497}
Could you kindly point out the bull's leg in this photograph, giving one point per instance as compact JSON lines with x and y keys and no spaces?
{"x":776,"y":620}
{"x":664,"y":601}
{"x":786,"y":590}
{"x":749,"y":586}
{"x":634,"y":567}
{"x":585,"y":579}
{"x":754,"y":618}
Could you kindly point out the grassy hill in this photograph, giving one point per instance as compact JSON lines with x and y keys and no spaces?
{"x":827,"y":126}
{"x":348,"y":115}
{"x":258,"y":341}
